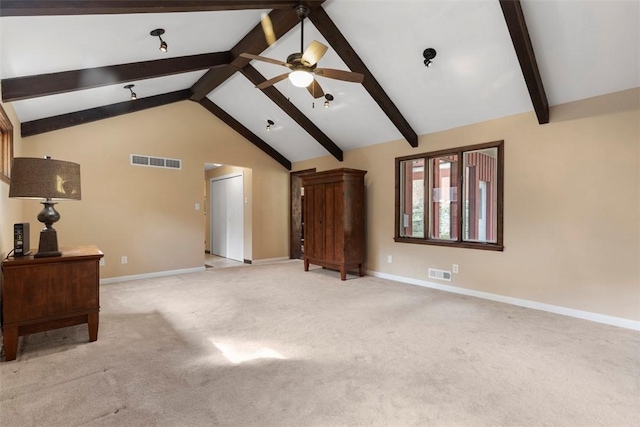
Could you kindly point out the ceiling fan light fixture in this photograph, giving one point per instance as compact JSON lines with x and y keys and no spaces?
{"x":300,"y":78}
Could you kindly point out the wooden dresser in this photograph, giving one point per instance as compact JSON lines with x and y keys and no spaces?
{"x":39,"y":294}
{"x":334,"y":225}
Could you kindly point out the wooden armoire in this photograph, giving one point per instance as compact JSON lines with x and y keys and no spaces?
{"x":334,"y":220}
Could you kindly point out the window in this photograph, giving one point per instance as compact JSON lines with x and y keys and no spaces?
{"x":451,"y":197}
{"x":6,"y":146}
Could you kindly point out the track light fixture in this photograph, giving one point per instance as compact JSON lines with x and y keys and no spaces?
{"x":158,"y":32}
{"x":327,"y":98}
{"x":269,"y":124}
{"x":428,"y":54}
{"x":133,"y":94}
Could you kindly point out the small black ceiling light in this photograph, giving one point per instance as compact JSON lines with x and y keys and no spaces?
{"x":269,"y":124}
{"x":133,"y":94}
{"x":327,"y":98}
{"x":158,"y":32}
{"x":428,"y":54}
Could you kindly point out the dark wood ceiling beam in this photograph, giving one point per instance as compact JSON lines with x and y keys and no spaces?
{"x":514,"y":17}
{"x":238,"y":127}
{"x":17,"y":88}
{"x":96,"y":7}
{"x":281,"y":101}
{"x":49,"y":124}
{"x":339,"y":43}
{"x":254,"y":42}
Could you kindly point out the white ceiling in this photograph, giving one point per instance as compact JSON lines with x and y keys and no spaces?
{"x":583,"y":49}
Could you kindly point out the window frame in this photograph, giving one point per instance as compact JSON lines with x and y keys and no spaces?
{"x":6,"y":146}
{"x":459,"y":242}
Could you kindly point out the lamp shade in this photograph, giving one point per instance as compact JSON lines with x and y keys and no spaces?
{"x":44,"y":178}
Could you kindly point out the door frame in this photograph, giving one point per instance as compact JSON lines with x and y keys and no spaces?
{"x":295,"y":212}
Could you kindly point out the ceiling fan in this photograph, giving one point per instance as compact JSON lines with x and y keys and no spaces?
{"x":303,"y":64}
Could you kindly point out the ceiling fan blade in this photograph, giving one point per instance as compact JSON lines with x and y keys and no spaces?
{"x":263,"y":59}
{"x":276,"y":79}
{"x":267,"y":28}
{"x":313,"y":53}
{"x":347,"y":76}
{"x":315,"y":90}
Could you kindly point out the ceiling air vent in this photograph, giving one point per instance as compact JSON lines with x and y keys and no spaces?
{"x":155,"y":162}
{"x":439,"y":274}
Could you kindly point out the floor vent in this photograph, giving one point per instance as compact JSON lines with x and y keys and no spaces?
{"x":155,"y":162}
{"x":439,"y":274}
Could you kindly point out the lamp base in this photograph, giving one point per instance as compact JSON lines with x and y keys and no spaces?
{"x":48,"y":246}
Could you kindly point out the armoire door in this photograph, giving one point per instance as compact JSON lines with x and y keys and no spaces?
{"x":314,"y":221}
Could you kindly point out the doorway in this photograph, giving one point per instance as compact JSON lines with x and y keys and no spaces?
{"x":296,"y":231}
{"x":227,"y":216}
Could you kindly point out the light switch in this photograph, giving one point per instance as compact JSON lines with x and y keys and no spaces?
{"x":197,"y":206}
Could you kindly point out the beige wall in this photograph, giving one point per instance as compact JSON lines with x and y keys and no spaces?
{"x":248,"y":206}
{"x":572,"y":208}
{"x":148,"y":214}
{"x":10,"y":209}
{"x":572,"y":200}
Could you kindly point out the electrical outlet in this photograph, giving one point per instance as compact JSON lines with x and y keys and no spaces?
{"x":197,"y":206}
{"x":102,"y":262}
{"x":389,"y":259}
{"x":123,"y":260}
{"x":455,"y":268}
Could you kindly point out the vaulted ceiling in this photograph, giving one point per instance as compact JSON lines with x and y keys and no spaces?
{"x":65,"y":63}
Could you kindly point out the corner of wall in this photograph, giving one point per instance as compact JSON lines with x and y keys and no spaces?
{"x":11,"y":210}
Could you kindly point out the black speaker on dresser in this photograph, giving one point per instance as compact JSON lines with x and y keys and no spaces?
{"x":21,"y":239}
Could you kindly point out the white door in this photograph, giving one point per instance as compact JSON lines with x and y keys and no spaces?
{"x":235,"y":218}
{"x":227,"y":217}
{"x":218,"y":215}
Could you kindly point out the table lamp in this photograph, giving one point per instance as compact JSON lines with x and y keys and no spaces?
{"x":52,"y":180}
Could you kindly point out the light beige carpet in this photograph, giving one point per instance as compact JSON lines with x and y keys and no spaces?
{"x":270,"y":345}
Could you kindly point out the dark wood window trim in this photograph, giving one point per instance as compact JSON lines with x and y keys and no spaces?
{"x":459,"y":243}
{"x":6,"y":146}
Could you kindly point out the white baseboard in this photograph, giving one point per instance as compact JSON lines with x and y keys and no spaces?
{"x":269,"y":260}
{"x":586,"y":315}
{"x":150,"y":275}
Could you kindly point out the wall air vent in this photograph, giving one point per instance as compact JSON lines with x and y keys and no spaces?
{"x":439,"y":274}
{"x":155,"y":162}
{"x":139,"y":160}
{"x":174,"y":164}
